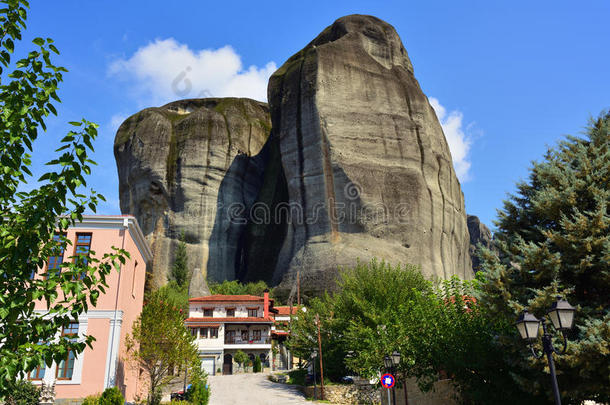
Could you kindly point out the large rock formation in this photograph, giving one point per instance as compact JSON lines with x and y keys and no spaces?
{"x":479,"y":233}
{"x":193,"y":168}
{"x":365,"y":159}
{"x":356,"y":166}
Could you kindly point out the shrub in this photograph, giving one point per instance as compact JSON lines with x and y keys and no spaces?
{"x":112,"y":396}
{"x":22,"y":393}
{"x":297,"y":376}
{"x":91,"y":400}
{"x":257,"y":365}
{"x":198,"y":393}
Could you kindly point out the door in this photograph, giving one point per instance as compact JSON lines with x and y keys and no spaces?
{"x":227,"y":365}
{"x":208,"y":365}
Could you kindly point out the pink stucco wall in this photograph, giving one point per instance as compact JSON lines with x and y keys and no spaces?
{"x":125,"y":293}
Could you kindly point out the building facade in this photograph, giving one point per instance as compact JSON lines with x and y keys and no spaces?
{"x":106,"y":364}
{"x":282,"y":359}
{"x":224,"y":324}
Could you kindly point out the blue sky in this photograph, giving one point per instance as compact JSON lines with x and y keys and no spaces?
{"x":511,"y":77}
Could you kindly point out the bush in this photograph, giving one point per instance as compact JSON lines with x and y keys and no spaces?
{"x":22,"y":393}
{"x":112,"y":396}
{"x":257,"y":365}
{"x":91,"y":400}
{"x":297,"y":376}
{"x":198,"y":393}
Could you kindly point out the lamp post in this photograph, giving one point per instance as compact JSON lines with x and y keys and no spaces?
{"x":391,"y":362}
{"x":314,"y":354}
{"x":562,"y":317}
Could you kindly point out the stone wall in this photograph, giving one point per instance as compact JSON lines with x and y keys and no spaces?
{"x":443,"y":393}
{"x":346,"y":394}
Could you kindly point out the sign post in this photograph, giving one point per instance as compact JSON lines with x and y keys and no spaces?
{"x":388,"y":381}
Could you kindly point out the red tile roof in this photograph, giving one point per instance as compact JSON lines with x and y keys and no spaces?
{"x":209,"y":319}
{"x":285,"y":310}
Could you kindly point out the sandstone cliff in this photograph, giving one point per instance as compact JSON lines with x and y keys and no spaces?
{"x":365,"y":159}
{"x":193,"y":167}
{"x":479,"y":233}
{"x":355,"y":166}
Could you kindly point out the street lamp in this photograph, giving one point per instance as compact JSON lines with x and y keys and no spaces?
{"x":313,"y":356}
{"x":391,"y":362}
{"x":562,"y":317}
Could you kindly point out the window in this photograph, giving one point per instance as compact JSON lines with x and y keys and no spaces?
{"x":55,"y":262}
{"x":133,"y":280}
{"x":244,"y":335}
{"x":203,"y":333}
{"x":208,"y":312}
{"x":65,"y":368}
{"x":230,"y":312}
{"x":256,"y":335}
{"x":37,"y":373}
{"x":82,"y":248}
{"x":213,"y":333}
{"x":230,"y":337}
{"x":252,"y":312}
{"x":194,"y":332}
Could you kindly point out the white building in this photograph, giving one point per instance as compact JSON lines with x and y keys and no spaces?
{"x":224,"y":324}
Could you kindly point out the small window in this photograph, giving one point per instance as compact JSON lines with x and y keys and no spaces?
{"x":37,"y":374}
{"x":256,"y":335}
{"x":203,"y":333}
{"x":244,"y":335}
{"x":194,"y":332}
{"x":65,"y":368}
{"x":55,"y":261}
{"x":213,"y":333}
{"x":230,"y":312}
{"x":82,"y":249}
{"x":208,"y":312}
{"x":133,"y":280}
{"x":253,"y":312}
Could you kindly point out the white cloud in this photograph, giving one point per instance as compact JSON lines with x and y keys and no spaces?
{"x":115,"y":121}
{"x":459,"y":141}
{"x":166,"y":70}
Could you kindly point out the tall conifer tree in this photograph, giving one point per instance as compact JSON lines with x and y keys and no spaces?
{"x":553,"y":239}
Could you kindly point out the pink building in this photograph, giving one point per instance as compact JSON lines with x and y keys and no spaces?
{"x":111,"y":320}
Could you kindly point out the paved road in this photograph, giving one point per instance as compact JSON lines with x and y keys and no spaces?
{"x":252,"y":389}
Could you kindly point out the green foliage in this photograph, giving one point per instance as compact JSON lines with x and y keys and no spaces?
{"x":198,"y":393}
{"x":553,"y":239}
{"x":172,"y":292}
{"x":297,"y":377}
{"x":30,"y":218}
{"x":258,"y":367}
{"x":22,"y":392}
{"x":111,"y":396}
{"x":179,"y":273}
{"x":234,"y":287}
{"x":160,"y":341}
{"x":91,"y":400}
{"x":240,"y":358}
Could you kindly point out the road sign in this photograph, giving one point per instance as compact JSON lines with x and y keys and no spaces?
{"x":387,"y":381}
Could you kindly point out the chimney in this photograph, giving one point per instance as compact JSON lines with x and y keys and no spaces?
{"x":266,"y":303}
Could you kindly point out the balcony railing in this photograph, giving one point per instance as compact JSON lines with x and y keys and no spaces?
{"x":239,"y":341}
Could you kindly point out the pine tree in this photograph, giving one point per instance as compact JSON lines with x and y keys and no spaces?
{"x":553,"y":240}
{"x":179,"y":272}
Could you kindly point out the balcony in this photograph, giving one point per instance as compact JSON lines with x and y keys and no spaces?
{"x":238,"y":341}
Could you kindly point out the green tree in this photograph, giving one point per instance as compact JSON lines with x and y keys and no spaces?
{"x":240,"y":358}
{"x":234,"y":287}
{"x":31,"y":219}
{"x":258,"y":366}
{"x":160,"y":341}
{"x":179,"y":272}
{"x":23,"y":393}
{"x":553,"y":239}
{"x":111,"y":396}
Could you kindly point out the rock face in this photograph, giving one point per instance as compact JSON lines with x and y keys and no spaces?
{"x":193,"y":167}
{"x":355,"y":166}
{"x":479,"y":233}
{"x":367,"y":166}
